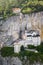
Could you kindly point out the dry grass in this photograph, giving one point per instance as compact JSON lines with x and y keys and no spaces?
{"x":42,"y":32}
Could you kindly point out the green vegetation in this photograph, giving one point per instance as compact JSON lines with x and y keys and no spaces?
{"x":32,"y":6}
{"x":31,"y":56}
{"x":27,"y":6}
{"x":40,"y":48}
{"x":22,"y":48}
{"x":31,"y":47}
{"x":7,"y":51}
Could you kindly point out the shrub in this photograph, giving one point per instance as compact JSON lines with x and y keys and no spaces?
{"x":32,"y":6}
{"x":22,"y":48}
{"x":31,"y":47}
{"x":40,"y":48}
{"x":7,"y":51}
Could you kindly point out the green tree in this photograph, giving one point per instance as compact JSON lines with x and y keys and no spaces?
{"x":7,"y":51}
{"x":22,"y":48}
{"x":40,"y":48}
{"x":31,"y":47}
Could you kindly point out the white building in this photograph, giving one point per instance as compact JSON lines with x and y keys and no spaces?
{"x":17,"y":45}
{"x":30,"y":38}
{"x":33,"y":37}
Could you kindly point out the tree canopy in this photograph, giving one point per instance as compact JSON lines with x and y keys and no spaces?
{"x":27,"y":6}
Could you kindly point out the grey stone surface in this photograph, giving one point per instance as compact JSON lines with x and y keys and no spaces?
{"x":13,"y":24}
{"x":16,"y":61}
{"x":10,"y":61}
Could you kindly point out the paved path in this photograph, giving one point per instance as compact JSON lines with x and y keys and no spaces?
{"x":33,"y":50}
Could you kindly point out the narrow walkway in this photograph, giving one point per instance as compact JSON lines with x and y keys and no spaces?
{"x":33,"y":50}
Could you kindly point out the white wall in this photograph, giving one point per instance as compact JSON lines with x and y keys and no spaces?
{"x":30,"y":41}
{"x":16,"y":48}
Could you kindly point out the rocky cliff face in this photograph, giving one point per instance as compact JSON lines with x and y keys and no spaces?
{"x":17,"y":61}
{"x":10,"y":61}
{"x":10,"y":28}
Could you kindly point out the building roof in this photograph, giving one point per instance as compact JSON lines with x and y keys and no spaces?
{"x":33,"y":33}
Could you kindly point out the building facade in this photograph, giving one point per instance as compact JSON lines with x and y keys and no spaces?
{"x":30,"y":38}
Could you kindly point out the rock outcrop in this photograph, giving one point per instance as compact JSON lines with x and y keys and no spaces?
{"x":10,"y":28}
